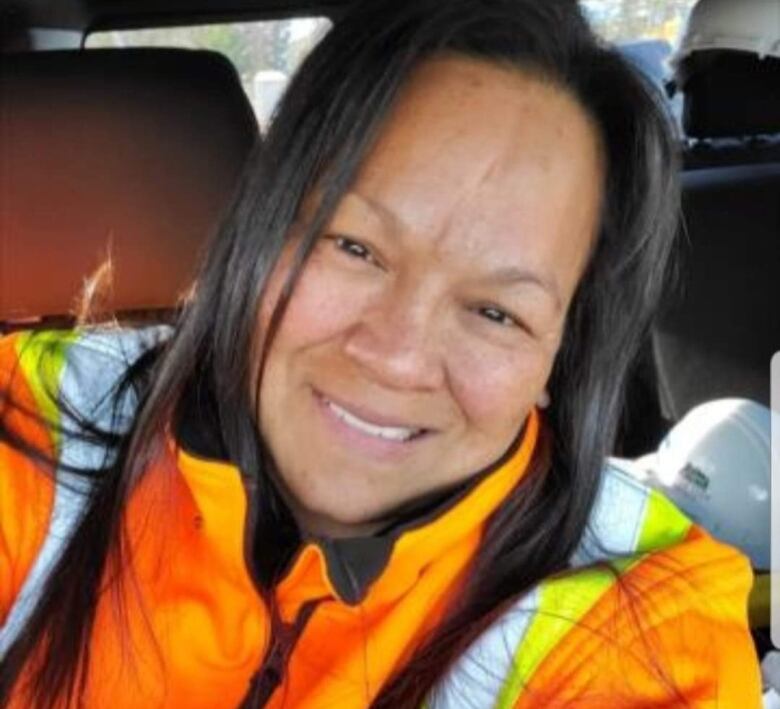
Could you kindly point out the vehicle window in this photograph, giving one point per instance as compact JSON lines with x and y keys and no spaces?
{"x":624,"y":21}
{"x":646,"y":31}
{"x":265,"y":53}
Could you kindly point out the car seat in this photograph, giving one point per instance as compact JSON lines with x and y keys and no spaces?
{"x":125,"y":157}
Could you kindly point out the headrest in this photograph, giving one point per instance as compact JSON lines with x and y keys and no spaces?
{"x":127,"y":153}
{"x":730,"y":93}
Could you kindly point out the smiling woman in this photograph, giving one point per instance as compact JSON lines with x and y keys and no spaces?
{"x":426,"y":321}
{"x":367,"y":467}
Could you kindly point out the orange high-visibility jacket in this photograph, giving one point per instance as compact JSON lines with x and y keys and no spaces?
{"x":197,"y":630}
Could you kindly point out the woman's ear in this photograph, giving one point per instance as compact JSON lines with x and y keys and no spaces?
{"x":543,"y":400}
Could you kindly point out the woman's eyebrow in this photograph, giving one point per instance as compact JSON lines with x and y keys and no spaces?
{"x":379,"y":210}
{"x":511,"y":275}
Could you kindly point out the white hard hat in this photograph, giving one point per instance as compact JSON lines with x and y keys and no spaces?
{"x":740,"y":25}
{"x":715,"y":466}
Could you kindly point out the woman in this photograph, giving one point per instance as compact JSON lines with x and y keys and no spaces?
{"x":366,"y":468}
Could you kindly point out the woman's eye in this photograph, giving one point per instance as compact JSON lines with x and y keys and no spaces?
{"x":353,"y":248}
{"x":497,"y":316}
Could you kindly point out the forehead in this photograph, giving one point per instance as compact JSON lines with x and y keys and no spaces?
{"x":474,"y":151}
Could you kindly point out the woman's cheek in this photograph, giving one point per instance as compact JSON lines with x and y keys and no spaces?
{"x":496,"y":388}
{"x":275,"y":285}
{"x":323,"y":304}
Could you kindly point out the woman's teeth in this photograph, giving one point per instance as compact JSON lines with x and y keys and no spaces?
{"x":391,"y":433}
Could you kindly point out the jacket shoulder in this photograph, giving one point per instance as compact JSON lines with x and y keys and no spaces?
{"x":50,"y":383}
{"x":655,"y":604}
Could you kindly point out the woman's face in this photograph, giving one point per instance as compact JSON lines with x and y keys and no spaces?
{"x":425,"y":324}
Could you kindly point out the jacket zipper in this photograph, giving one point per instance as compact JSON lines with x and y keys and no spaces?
{"x":269,"y":675}
{"x":265,"y":681}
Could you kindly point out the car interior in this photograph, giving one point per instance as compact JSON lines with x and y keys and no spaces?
{"x":124,"y":157}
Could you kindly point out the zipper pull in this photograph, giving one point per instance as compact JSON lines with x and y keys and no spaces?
{"x":269,"y":676}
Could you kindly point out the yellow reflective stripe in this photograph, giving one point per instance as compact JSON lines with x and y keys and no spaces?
{"x":42,"y":357}
{"x":563,"y":603}
{"x":663,"y":524}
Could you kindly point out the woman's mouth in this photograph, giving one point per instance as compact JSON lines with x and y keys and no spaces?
{"x":389,"y":433}
{"x":372,"y":432}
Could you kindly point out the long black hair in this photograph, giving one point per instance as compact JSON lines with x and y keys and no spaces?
{"x":328,"y":119}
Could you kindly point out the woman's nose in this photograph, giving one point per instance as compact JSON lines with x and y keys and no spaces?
{"x":396,"y":344}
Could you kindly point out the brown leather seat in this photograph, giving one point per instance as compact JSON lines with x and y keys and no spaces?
{"x":127,"y":153}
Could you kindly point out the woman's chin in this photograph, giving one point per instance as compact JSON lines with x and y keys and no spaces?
{"x":333,"y":520}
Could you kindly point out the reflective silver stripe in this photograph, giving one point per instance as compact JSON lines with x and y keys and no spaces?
{"x":94,"y":365}
{"x":617,"y":516}
{"x":477,"y":677}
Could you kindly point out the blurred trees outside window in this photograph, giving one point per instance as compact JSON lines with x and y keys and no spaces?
{"x":633,"y":20}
